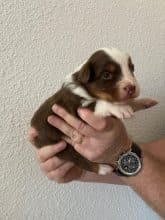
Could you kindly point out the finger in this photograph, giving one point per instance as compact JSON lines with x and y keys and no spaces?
{"x":61,"y":125}
{"x":73,"y":136}
{"x":96,"y":122}
{"x":52,"y":164}
{"x":49,"y":151}
{"x":68,"y":140}
{"x":61,"y":172}
{"x":73,"y":121}
{"x":72,"y":142}
{"x":32,"y":133}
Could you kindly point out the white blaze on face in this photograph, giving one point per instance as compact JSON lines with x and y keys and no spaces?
{"x":122,"y":59}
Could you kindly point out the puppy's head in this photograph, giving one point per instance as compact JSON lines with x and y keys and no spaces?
{"x":108,"y":74}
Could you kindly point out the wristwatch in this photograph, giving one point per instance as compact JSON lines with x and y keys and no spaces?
{"x":130,"y":162}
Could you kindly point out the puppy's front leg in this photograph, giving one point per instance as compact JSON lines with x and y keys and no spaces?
{"x":104,"y":108}
{"x":142,"y":104}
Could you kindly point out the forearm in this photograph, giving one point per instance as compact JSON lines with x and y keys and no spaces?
{"x":150,"y":182}
{"x":93,"y":177}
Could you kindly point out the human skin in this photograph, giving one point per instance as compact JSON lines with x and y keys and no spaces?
{"x":101,"y":143}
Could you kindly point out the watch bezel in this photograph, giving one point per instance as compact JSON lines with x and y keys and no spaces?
{"x":119,"y":167}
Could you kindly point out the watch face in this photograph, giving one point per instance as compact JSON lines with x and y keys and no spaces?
{"x":129,"y":164}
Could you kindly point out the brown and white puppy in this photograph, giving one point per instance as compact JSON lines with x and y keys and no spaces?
{"x":104,"y":83}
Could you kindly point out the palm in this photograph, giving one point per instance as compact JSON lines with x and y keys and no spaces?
{"x":100,"y":143}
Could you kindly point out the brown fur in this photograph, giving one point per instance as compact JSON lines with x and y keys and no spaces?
{"x":48,"y":134}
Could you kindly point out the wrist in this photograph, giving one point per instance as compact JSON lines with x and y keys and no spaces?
{"x":93,"y":177}
{"x":121,"y":148}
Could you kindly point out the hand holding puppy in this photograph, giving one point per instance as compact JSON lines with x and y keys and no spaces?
{"x":102,"y":130}
{"x":100,"y":139}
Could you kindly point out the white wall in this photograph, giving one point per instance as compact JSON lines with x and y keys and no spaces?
{"x":41,"y":42}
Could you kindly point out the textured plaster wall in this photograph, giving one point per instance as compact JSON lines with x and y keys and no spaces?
{"x":42,"y":41}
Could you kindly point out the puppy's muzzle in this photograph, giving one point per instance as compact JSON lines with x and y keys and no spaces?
{"x":130,"y":90}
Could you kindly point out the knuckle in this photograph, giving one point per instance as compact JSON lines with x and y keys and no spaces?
{"x":60,"y":180}
{"x":60,"y":173}
{"x":51,"y":165}
{"x":40,"y":156}
{"x":51,"y":176}
{"x":81,"y":126}
{"x":42,"y":166}
{"x":76,"y":136}
{"x":44,"y":169}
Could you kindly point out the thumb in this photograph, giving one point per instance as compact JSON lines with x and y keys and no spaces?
{"x":97,"y":122}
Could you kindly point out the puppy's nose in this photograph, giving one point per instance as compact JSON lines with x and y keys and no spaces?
{"x":130,"y":89}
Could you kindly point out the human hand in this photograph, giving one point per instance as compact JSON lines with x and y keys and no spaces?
{"x":102,"y":139}
{"x":53,"y":167}
{"x":64,"y":171}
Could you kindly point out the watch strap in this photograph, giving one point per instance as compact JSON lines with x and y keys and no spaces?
{"x":136,"y":149}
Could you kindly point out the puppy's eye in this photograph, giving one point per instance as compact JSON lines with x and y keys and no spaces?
{"x":107,"y":75}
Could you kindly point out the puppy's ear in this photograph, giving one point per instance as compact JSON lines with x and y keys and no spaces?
{"x":84,"y":75}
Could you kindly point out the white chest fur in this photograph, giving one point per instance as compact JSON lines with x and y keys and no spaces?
{"x":104,"y":108}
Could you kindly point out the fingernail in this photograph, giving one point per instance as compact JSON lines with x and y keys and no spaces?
{"x":50,"y":118}
{"x":54,"y":107}
{"x":81,"y":112}
{"x":63,"y":144}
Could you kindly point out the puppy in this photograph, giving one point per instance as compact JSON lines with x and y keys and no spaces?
{"x":106,"y":84}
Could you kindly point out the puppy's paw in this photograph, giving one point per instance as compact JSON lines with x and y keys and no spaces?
{"x":148,"y":103}
{"x":142,"y":104}
{"x":122,"y":111}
